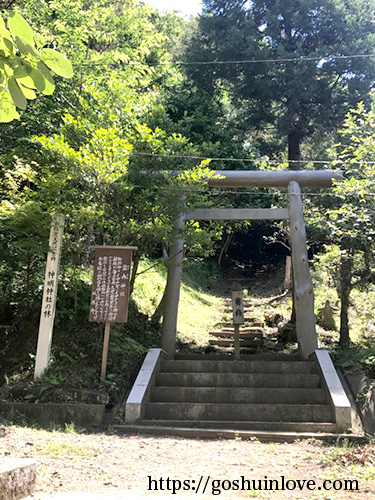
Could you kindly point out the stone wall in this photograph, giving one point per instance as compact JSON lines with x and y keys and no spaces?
{"x":363,"y":390}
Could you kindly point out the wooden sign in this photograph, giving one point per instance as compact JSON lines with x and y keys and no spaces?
{"x":238,"y":316}
{"x":47,"y":315}
{"x":110,"y":291}
{"x":237,"y":304}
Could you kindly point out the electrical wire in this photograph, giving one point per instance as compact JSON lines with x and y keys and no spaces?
{"x":255,"y":61}
{"x":224,"y":191}
{"x":251,"y":160}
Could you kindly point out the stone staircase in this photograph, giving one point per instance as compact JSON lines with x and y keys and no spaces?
{"x":251,"y":332}
{"x":279,"y":393}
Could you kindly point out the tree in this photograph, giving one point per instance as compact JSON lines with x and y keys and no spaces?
{"x":347,"y":220}
{"x":319,"y":83}
{"x":25,"y":66}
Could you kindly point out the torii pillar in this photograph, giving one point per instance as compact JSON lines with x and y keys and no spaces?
{"x":303,"y":289}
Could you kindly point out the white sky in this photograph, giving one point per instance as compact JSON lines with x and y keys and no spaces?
{"x":187,"y":7}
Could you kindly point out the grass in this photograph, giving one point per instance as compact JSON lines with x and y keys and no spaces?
{"x":66,"y":449}
{"x":334,"y":468}
{"x":200,"y":297}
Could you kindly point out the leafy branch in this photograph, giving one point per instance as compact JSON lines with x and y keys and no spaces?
{"x":27,"y":66}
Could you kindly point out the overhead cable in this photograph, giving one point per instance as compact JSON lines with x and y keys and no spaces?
{"x":324,"y":59}
{"x":252,"y":160}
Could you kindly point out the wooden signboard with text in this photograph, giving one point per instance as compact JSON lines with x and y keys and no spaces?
{"x":110,"y":290}
{"x":238,"y":316}
{"x":237,"y":304}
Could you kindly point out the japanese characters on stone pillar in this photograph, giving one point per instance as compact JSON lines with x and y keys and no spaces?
{"x":110,"y":290}
{"x":48,"y":309}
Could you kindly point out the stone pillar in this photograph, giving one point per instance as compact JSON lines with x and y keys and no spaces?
{"x":303,"y":288}
{"x":172,"y":293}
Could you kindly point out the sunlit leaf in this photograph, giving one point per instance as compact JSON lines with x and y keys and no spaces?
{"x":8,"y":111}
{"x":19,"y":27}
{"x":28,"y":93}
{"x":39,"y":40}
{"x":25,"y":47}
{"x":22,"y":70}
{"x":34,"y":80}
{"x":6,"y":42}
{"x":48,"y":79}
{"x":57,"y":62}
{"x":18,"y":98}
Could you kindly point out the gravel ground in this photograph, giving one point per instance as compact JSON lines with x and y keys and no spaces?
{"x":78,"y":466}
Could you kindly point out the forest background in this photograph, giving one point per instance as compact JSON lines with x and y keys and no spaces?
{"x":245,"y":85}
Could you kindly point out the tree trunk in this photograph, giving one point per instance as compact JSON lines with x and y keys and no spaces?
{"x":159,"y":311}
{"x":288,"y":277}
{"x":294,"y":149}
{"x":294,"y":156}
{"x":346,"y":268}
{"x":136,"y":259}
{"x":224,"y":249}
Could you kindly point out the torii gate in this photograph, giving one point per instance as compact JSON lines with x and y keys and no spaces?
{"x":303,"y":288}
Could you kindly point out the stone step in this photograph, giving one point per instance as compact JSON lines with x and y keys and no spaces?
{"x":247,"y":309}
{"x":238,"y":380}
{"x":227,"y":342}
{"x":237,"y":395}
{"x":221,"y":411}
{"x":229,"y":324}
{"x":220,"y":433}
{"x":244,"y":301}
{"x":244,"y":351}
{"x":227,"y":357}
{"x":243,"y":335}
{"x":244,"y":329}
{"x":246,"y":425}
{"x":17,"y":478}
{"x":233,"y":366}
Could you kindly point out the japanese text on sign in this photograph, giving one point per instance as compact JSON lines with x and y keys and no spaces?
{"x":50,"y":283}
{"x":110,"y":293}
{"x":237,"y":305}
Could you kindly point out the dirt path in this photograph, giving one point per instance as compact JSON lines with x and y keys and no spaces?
{"x":120,"y":465}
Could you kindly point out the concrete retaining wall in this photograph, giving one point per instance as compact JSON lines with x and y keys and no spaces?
{"x":49,"y":414}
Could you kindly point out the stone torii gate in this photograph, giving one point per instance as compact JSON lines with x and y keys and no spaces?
{"x":303,"y":288}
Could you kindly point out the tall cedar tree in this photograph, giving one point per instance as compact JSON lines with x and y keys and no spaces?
{"x":296,"y":96}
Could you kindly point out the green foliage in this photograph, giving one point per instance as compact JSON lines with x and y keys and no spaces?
{"x":25,"y":66}
{"x":297,"y":97}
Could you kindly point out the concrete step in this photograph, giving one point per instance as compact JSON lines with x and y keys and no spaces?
{"x":219,"y":411}
{"x":246,"y":425}
{"x":227,"y":342}
{"x":290,"y":380}
{"x":233,"y":366}
{"x":218,"y":433}
{"x":237,"y":395}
